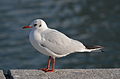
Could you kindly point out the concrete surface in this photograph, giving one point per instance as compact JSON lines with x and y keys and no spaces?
{"x":67,"y":74}
{"x":61,"y":74}
{"x":2,"y":75}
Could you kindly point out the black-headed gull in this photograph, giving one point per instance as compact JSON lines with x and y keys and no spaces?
{"x":53,"y":43}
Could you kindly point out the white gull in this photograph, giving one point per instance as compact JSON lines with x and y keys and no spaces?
{"x":54,"y":43}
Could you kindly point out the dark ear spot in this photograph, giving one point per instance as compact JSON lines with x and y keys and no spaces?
{"x":40,"y":25}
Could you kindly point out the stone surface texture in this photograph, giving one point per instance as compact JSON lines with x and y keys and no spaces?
{"x":2,"y":75}
{"x":67,"y":74}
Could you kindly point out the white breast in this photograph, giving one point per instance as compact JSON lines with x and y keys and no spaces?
{"x":35,"y":39}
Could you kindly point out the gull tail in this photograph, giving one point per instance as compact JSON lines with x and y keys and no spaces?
{"x":94,"y":49}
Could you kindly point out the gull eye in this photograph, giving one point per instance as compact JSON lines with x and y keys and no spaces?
{"x":35,"y":25}
{"x":40,"y":25}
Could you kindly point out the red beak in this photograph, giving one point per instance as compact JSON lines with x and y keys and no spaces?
{"x":27,"y":27}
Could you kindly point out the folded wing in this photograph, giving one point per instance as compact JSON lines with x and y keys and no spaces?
{"x":59,"y":43}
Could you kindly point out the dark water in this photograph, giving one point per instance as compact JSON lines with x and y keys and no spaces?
{"x":93,"y":22}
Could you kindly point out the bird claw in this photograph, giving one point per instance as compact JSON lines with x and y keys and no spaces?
{"x":50,"y":71}
{"x":46,"y":70}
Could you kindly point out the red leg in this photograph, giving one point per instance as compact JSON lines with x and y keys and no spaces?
{"x":53,"y":65}
{"x":48,"y":66}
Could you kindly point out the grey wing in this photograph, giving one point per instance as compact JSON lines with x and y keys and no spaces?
{"x":55,"y":41}
{"x":59,"y":43}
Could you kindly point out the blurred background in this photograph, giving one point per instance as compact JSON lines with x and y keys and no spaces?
{"x":93,"y":22}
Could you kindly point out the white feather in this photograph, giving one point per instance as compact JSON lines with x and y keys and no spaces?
{"x":52,"y":42}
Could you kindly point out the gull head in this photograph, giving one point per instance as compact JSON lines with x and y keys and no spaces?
{"x":37,"y":24}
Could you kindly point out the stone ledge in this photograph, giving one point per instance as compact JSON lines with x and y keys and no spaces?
{"x":61,"y":74}
{"x":2,"y":75}
{"x":67,"y":74}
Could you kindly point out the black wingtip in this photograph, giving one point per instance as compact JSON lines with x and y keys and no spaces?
{"x":94,"y":47}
